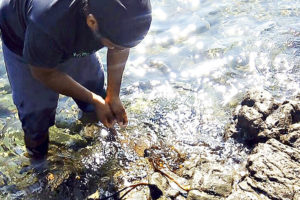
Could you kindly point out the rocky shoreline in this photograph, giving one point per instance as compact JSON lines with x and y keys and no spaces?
{"x":269,"y":170}
{"x":270,"y":129}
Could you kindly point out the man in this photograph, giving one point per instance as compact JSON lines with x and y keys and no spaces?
{"x":49,"y":49}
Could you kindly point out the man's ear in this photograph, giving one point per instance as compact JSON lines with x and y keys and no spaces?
{"x":92,"y":22}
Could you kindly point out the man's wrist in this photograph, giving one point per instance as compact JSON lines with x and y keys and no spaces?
{"x":96,"y":99}
{"x":111,"y":97}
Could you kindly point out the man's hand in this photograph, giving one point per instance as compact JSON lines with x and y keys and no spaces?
{"x":103,"y":111}
{"x":118,"y":110}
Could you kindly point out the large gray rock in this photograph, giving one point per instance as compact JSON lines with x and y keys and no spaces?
{"x":274,"y":164}
{"x":260,"y":118}
{"x":274,"y":172}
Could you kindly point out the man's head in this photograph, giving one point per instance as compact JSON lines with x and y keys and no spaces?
{"x":123,"y":23}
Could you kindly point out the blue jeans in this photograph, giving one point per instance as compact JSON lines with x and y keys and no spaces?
{"x":36,"y":103}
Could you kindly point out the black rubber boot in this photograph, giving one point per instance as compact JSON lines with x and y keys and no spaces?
{"x":38,"y":148}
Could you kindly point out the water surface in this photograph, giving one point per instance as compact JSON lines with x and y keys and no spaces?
{"x":180,"y":86}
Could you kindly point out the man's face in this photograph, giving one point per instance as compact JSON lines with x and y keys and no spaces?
{"x":93,"y":25}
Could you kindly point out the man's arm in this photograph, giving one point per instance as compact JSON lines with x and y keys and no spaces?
{"x":64,"y":84}
{"x":116,"y":61}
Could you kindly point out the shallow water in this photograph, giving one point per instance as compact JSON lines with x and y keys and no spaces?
{"x":180,"y":86}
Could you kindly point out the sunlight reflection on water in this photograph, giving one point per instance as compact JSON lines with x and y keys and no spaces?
{"x":185,"y":78}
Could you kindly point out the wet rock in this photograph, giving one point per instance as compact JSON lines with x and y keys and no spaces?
{"x":158,"y":180}
{"x":184,"y":183}
{"x":274,"y":164}
{"x":89,"y":132}
{"x":218,"y":182}
{"x":141,"y":144}
{"x":245,"y":192}
{"x":296,"y":112}
{"x":62,"y":137}
{"x":189,"y":167}
{"x":143,"y":194}
{"x":95,"y":195}
{"x":160,"y":66}
{"x":250,"y":120}
{"x":259,"y":121}
{"x":172,"y":193}
{"x":197,"y":195}
{"x":197,"y":180}
{"x":180,"y":198}
{"x":296,"y":196}
{"x":293,"y":137}
{"x":211,"y":177}
{"x":274,"y":170}
{"x":281,"y":118}
{"x":260,"y":100}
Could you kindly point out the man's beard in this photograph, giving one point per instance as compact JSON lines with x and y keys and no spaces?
{"x":97,"y":35}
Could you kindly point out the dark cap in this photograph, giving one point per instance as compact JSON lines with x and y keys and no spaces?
{"x":124,"y":22}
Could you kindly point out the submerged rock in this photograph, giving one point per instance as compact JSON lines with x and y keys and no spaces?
{"x":61,"y":137}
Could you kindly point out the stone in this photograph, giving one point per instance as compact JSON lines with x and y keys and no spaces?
{"x":89,"y":132}
{"x":218,"y":182}
{"x":172,"y":193}
{"x":297,"y":196}
{"x":281,"y":118}
{"x":141,"y":145}
{"x":60,"y":136}
{"x":246,"y":194}
{"x":197,"y":195}
{"x":274,"y":170}
{"x":256,"y":121}
{"x":158,"y":180}
{"x":95,"y":195}
{"x":250,"y":120}
{"x":143,"y":194}
{"x":274,"y":164}
{"x":184,"y":183}
{"x":180,"y":198}
{"x":296,"y":112}
{"x":260,"y":100}
{"x":293,"y":137}
{"x":197,"y":180}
